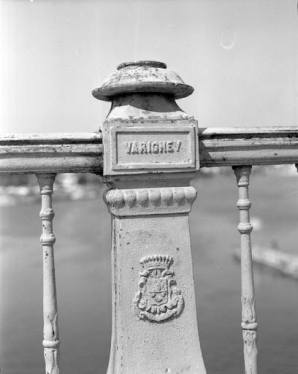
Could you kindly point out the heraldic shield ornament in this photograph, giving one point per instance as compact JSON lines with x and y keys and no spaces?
{"x":158,"y":298}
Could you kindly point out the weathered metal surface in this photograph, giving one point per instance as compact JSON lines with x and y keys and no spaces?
{"x":83,"y":152}
{"x":150,"y":157}
{"x":144,"y":146}
{"x":248,"y":146}
{"x":249,"y":320}
{"x":123,"y":202}
{"x":51,"y":340}
{"x":154,"y":308}
{"x":142,"y":76}
{"x":51,"y":153}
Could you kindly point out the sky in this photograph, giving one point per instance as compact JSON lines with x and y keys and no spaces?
{"x":241,"y":57}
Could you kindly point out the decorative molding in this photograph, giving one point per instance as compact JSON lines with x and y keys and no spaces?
{"x":52,"y":357}
{"x":245,"y":228}
{"x":146,"y":201}
{"x":51,"y":343}
{"x":242,"y":175}
{"x":250,"y":343}
{"x":147,"y":146}
{"x":158,"y":298}
{"x":248,"y":311}
{"x":51,"y":347}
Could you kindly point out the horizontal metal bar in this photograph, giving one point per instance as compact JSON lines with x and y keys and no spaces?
{"x":83,"y":152}
{"x":51,"y":153}
{"x":47,"y":138}
{"x":248,"y":146}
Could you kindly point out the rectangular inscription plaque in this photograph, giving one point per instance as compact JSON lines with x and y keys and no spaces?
{"x":155,"y":147}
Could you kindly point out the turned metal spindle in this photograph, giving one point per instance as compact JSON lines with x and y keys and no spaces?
{"x":249,"y":320}
{"x":50,"y":312}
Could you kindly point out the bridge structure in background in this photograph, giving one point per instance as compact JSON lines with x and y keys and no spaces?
{"x":147,"y":151}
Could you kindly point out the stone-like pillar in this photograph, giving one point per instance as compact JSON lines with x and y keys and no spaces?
{"x":150,"y":156}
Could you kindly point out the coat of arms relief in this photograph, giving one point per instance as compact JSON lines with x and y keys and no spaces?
{"x":158,"y":297}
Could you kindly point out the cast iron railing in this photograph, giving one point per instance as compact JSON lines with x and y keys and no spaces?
{"x":48,"y":154}
{"x":241,"y":148}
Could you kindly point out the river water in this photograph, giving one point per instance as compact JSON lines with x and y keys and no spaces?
{"x":83,"y":275}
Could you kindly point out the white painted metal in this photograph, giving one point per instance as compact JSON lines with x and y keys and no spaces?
{"x":82,"y":152}
{"x":249,"y":319}
{"x":51,"y":153}
{"x":152,"y":150}
{"x":150,"y":157}
{"x":51,"y":340}
{"x":151,"y":252}
{"x":248,"y":146}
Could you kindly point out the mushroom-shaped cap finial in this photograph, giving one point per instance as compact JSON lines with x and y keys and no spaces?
{"x":142,"y":76}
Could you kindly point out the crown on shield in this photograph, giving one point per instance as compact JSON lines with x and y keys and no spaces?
{"x":156,"y":261}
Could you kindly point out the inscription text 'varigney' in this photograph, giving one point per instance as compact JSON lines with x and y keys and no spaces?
{"x":152,"y":147}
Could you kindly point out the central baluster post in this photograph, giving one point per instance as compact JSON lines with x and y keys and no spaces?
{"x":150,"y":156}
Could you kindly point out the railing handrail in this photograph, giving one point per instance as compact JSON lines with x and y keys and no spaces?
{"x":51,"y":153}
{"x":83,"y":152}
{"x":19,"y":138}
{"x":248,"y":146}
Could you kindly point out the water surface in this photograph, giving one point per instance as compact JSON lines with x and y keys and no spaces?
{"x":82,"y":253}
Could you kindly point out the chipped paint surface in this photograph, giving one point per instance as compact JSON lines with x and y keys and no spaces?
{"x":142,"y":76}
{"x":51,"y":153}
{"x":51,"y":340}
{"x":150,"y":156}
{"x":249,"y":319}
{"x":82,"y":153}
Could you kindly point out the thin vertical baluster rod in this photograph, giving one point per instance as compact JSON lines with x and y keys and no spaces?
{"x":50,"y":311}
{"x":249,"y":320}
